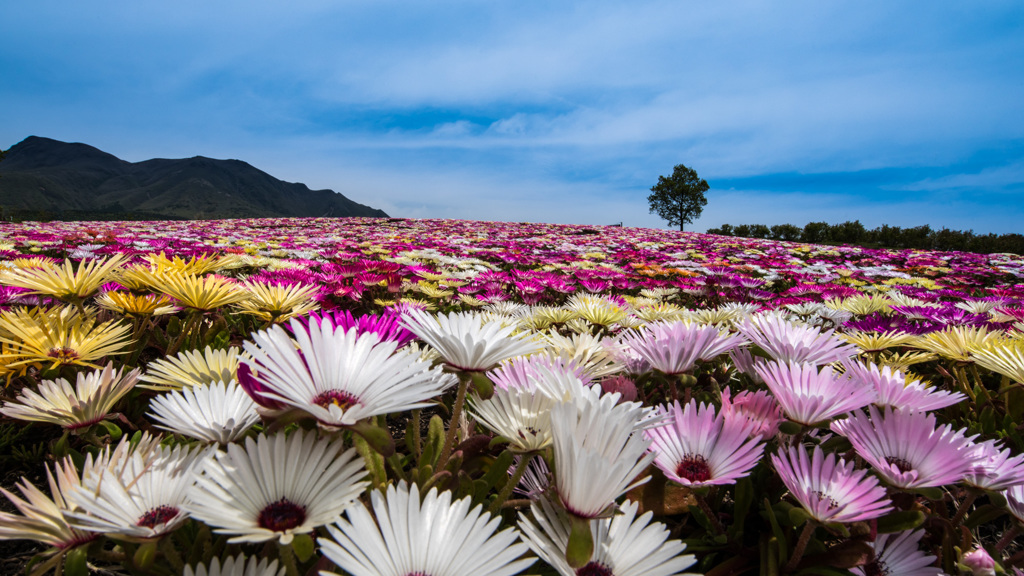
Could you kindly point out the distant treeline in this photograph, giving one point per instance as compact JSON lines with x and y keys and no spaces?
{"x":114,"y":212}
{"x":885,"y":236}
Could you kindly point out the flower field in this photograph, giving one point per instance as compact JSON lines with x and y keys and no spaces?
{"x":438,"y":398}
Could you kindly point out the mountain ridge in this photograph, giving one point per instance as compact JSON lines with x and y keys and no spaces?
{"x":42,"y":175}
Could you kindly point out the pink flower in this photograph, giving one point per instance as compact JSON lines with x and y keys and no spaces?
{"x":758,"y":408}
{"x":907,"y":449}
{"x":995,"y":469}
{"x":809,"y":396}
{"x":893,"y":389}
{"x":675,"y":347}
{"x":830,"y":491}
{"x":979,"y":562}
{"x":699,"y":448}
{"x":898,"y":555}
{"x":789,"y":342}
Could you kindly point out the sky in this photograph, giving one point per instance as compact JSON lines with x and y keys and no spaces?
{"x":887,"y":112}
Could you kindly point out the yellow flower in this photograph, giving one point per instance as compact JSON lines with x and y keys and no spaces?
{"x":904,"y":361}
{"x":861,"y":305}
{"x":60,"y":337}
{"x":64,"y":282}
{"x":131,"y":305}
{"x":197,"y":265}
{"x":597,"y":310}
{"x":1005,"y":357}
{"x":192,"y":368}
{"x":201,"y":293}
{"x":957,"y":342}
{"x":278,"y":303}
{"x":872,"y":342}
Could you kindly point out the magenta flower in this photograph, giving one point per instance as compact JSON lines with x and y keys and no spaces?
{"x":700,"y":448}
{"x":675,"y":347}
{"x":893,"y":390}
{"x":830,"y":490}
{"x":808,"y":395}
{"x":906,"y":448}
{"x":786,"y":341}
{"x":1015,"y":501}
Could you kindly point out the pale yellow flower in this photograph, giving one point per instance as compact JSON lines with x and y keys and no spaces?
{"x":957,"y":342}
{"x":191,"y":368}
{"x":132,"y":305}
{"x":59,"y":337}
{"x":56,"y":402}
{"x":1005,"y":357}
{"x":861,"y":305}
{"x":204,"y":293}
{"x":64,"y":281}
{"x":874,"y":342}
{"x":43,"y":518}
{"x":278,"y":303}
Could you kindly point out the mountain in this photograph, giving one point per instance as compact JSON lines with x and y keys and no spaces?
{"x":77,"y":181}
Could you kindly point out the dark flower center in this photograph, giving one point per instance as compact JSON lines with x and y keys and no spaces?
{"x":594,"y":569}
{"x":157,"y":516}
{"x":281,"y":515}
{"x":900,"y":464}
{"x":693,"y":468}
{"x":822,"y":496}
{"x":876,"y":568}
{"x":339,"y":398}
{"x":64,"y":354}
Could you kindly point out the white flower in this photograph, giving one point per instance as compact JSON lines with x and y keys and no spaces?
{"x":795,"y":342}
{"x":598,"y":453}
{"x":236,"y":566}
{"x":89,"y":401}
{"x":216,"y":413}
{"x":340,"y":377}
{"x":523,"y":415}
{"x":437,"y":537}
{"x":469,"y":341}
{"x":624,"y":545}
{"x":136,"y":493}
{"x":277,"y":487}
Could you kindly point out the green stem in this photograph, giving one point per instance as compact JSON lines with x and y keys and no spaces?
{"x":702,"y":502}
{"x":453,"y":425}
{"x":287,"y":556}
{"x":513,"y":481}
{"x":801,"y":545}
{"x":417,"y":442}
{"x":171,"y":554}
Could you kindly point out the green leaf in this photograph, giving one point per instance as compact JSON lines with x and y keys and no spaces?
{"x":797,"y":516}
{"x":482,"y":385}
{"x":375,"y":436}
{"x":112,"y":429}
{"x":743,"y":498}
{"x":791,"y":428}
{"x":984,"y":514}
{"x":76,"y":562}
{"x":930,"y":492}
{"x":374,"y":461}
{"x":900,"y":521}
{"x":435,"y":441}
{"x":303,"y":546}
{"x":144,"y":556}
{"x":781,"y":554}
{"x":497,"y":473}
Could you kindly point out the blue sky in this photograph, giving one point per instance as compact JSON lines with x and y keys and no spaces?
{"x":888,"y":112}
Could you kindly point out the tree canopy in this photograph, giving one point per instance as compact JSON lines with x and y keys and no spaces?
{"x":680,"y":197}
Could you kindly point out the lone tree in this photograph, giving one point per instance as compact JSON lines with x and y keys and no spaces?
{"x":680,"y":197}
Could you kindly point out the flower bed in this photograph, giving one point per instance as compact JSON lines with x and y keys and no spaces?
{"x":443,"y":397}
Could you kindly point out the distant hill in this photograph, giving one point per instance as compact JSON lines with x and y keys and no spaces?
{"x":76,"y":181}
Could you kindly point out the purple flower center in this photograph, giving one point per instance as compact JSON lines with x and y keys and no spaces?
{"x":157,"y":516}
{"x":823,"y":496}
{"x":900,"y":464}
{"x":281,"y":515}
{"x":339,"y":398}
{"x":693,"y":468}
{"x":594,"y":569}
{"x":64,"y":354}
{"x":876,"y":568}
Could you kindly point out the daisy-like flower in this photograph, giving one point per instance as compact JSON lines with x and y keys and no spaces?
{"x":789,"y":342}
{"x":137,"y":305}
{"x":1015,"y":501}
{"x":808,"y":395}
{"x":906,"y":448}
{"x":598,"y":454}
{"x":435,"y":537}
{"x":1005,"y":357}
{"x":469,"y":341}
{"x":236,"y":566}
{"x":340,"y":376}
{"x":64,"y":282}
{"x":898,"y":555}
{"x":387,"y":325}
{"x":958,"y":342}
{"x":44,"y":519}
{"x":201,"y":293}
{"x":93,"y":397}
{"x":701,"y":448}
{"x":276,"y":487}
{"x":830,"y":490}
{"x":278,"y":303}
{"x":871,"y":342}
{"x":59,"y":337}
{"x":191,"y":368}
{"x":624,"y":545}
{"x":896,"y":390}
{"x":521,"y":414}
{"x":219,"y":412}
{"x":136,"y":494}
{"x":995,"y":469}
{"x":588,"y":353}
{"x":757,"y":408}
{"x":675,"y":347}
